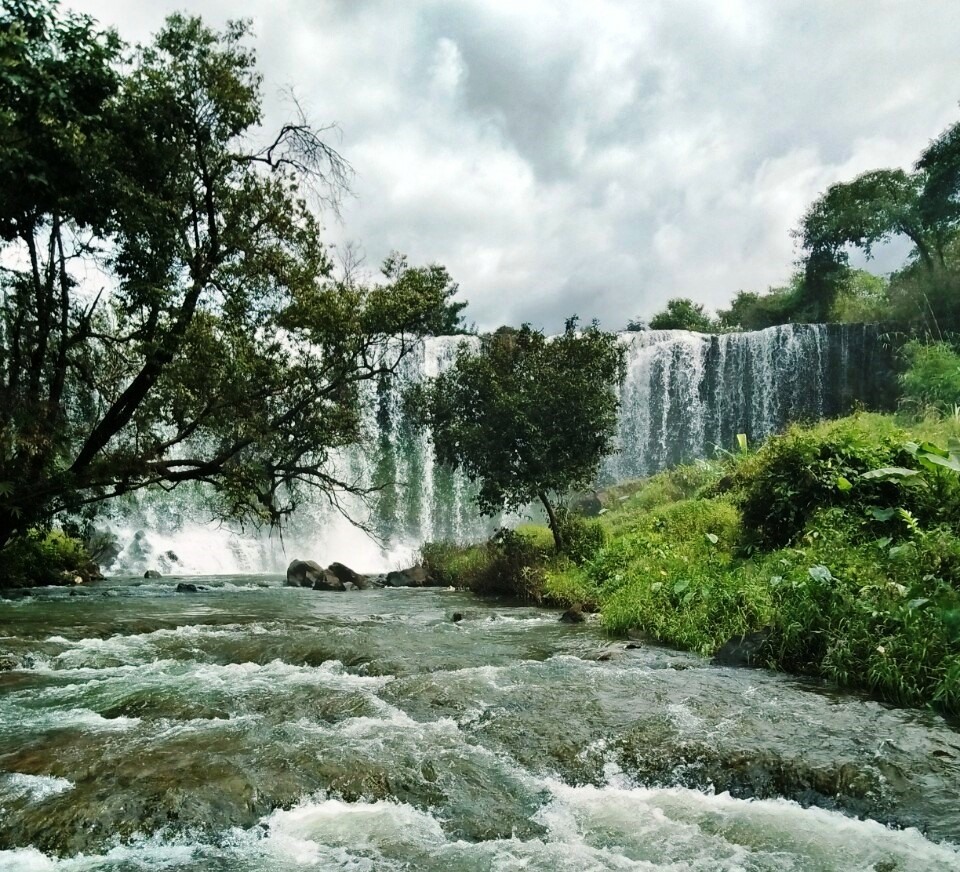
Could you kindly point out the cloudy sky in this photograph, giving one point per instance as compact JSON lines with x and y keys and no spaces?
{"x":597,"y":156}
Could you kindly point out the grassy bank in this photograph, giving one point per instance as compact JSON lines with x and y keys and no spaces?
{"x":838,"y":545}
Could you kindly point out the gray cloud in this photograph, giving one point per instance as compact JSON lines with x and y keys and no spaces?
{"x":603,"y":156}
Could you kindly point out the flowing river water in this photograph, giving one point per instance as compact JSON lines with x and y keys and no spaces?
{"x":255,"y":727}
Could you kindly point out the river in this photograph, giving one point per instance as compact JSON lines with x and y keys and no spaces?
{"x":255,"y":727}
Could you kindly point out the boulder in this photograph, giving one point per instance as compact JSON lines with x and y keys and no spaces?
{"x":457,"y":617}
{"x":348,"y":576}
{"x":573,"y":615}
{"x":152,"y":573}
{"x":188,"y":587}
{"x":328,"y":581}
{"x":742,"y":650}
{"x":415,"y":576}
{"x":307,"y":573}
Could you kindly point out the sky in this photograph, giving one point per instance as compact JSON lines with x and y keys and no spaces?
{"x":595,"y":157}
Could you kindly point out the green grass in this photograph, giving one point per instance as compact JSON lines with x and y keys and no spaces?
{"x":853,"y":579}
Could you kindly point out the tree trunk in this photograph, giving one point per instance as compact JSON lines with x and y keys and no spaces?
{"x":554,"y":523}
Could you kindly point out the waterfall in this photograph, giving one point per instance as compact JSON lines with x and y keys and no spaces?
{"x":685,"y":395}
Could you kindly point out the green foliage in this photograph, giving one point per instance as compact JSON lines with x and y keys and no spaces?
{"x":861,"y":298}
{"x":682,"y":313}
{"x":222,"y":349}
{"x":526,"y":416}
{"x":511,"y":564}
{"x":672,"y":574}
{"x":42,"y":557}
{"x":752,"y":311}
{"x":806,"y":469}
{"x":864,"y":613}
{"x":932,"y":377}
{"x":428,"y":281}
{"x":582,"y":538}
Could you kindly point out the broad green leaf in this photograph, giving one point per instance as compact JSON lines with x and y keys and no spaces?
{"x":843,"y":483}
{"x":951,"y":463}
{"x":889,"y":472}
{"x":681,"y":585}
{"x":915,"y":604}
{"x":712,"y":538}
{"x":882,"y":514}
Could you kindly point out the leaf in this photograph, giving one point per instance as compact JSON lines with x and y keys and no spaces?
{"x":951,"y":463}
{"x":890,"y":472}
{"x":820,"y":573}
{"x":681,"y":585}
{"x":881,"y":514}
{"x":884,"y":542}
{"x":915,"y":604}
{"x":742,"y":441}
{"x":712,"y":538}
{"x":843,"y":483}
{"x":930,"y":448}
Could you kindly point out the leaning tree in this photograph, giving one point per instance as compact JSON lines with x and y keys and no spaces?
{"x":167,"y":309}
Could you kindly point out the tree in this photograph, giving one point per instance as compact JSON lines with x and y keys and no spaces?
{"x":433,"y":280}
{"x":682,"y":313}
{"x":527,"y":416}
{"x":214,"y":347}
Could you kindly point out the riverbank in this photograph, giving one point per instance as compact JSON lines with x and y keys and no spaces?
{"x":830,"y":551}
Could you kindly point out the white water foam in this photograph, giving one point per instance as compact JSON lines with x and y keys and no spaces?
{"x":34,"y":787}
{"x":587,"y":829}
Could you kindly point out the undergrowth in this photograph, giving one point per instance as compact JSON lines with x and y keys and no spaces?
{"x":838,"y":544}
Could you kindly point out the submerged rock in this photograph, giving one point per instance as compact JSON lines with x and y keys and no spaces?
{"x":152,"y":573}
{"x":742,"y":650}
{"x":189,"y":587}
{"x":573,"y":615}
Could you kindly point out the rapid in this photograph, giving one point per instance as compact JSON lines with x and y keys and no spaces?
{"x":251,"y":726}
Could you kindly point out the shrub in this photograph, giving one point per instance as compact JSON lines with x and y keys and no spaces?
{"x":805,"y":469}
{"x":43,"y":557}
{"x":931,"y":380}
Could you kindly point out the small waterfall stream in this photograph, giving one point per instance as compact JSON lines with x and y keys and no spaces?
{"x":685,"y":395}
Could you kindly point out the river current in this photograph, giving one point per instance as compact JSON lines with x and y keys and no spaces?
{"x":255,"y":727}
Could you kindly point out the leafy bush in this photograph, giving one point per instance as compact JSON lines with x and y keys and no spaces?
{"x":43,"y":557}
{"x":511,"y":563}
{"x":867,"y":613}
{"x":582,"y":538}
{"x":805,"y":469}
{"x":931,"y":380}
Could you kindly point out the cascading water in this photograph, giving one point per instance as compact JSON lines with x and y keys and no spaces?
{"x":685,"y":395}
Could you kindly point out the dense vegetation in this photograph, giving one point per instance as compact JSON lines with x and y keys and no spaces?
{"x":168,"y":312}
{"x":837,"y":545}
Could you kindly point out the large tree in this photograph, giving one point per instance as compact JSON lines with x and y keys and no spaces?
{"x":527,"y":417}
{"x":167,"y":309}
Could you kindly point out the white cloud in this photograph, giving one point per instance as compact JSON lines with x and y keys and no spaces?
{"x":598,"y":157}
